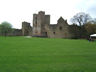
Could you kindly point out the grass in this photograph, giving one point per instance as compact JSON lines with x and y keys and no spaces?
{"x":20,"y":54}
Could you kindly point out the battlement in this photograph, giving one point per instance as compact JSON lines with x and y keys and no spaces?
{"x":41,"y":12}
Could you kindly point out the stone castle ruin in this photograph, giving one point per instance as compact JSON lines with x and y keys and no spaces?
{"x":43,"y":28}
{"x":26,"y":29}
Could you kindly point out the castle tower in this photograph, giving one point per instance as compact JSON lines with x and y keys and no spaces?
{"x":40,"y":20}
{"x":26,"y":29}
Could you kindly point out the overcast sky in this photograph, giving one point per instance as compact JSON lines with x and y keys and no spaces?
{"x":16,"y":11}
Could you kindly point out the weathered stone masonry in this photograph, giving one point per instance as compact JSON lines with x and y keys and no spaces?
{"x":43,"y":28}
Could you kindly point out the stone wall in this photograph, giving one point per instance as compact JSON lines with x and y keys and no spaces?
{"x":16,"y":32}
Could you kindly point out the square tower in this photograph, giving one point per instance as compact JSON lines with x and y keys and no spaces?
{"x":40,"y":20}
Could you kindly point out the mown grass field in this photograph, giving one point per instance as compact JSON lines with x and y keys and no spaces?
{"x":20,"y":54}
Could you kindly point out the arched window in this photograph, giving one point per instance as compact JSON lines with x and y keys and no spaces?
{"x":60,"y":28}
{"x":53,"y":32}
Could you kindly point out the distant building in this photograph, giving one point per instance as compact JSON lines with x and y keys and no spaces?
{"x":43,"y":28}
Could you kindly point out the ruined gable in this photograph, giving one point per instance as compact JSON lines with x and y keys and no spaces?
{"x":59,"y":30}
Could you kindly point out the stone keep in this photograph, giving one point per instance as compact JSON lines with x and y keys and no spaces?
{"x":39,"y":22}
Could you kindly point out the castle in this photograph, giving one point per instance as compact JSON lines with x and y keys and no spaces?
{"x":43,"y":28}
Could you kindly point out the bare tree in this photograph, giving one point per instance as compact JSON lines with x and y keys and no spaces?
{"x":81,"y":18}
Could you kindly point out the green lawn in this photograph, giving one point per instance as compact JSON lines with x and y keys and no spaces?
{"x":20,"y":54}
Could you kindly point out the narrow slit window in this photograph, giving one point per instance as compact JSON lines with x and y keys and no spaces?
{"x":53,"y":32}
{"x":60,"y":28}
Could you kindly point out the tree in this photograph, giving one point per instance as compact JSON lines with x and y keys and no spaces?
{"x":75,"y":30}
{"x":80,"y":19}
{"x":5,"y":28}
{"x":90,"y":28}
{"x":93,"y":21}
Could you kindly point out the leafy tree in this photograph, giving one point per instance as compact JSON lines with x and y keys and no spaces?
{"x":93,"y":21}
{"x":90,"y":28}
{"x":5,"y":28}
